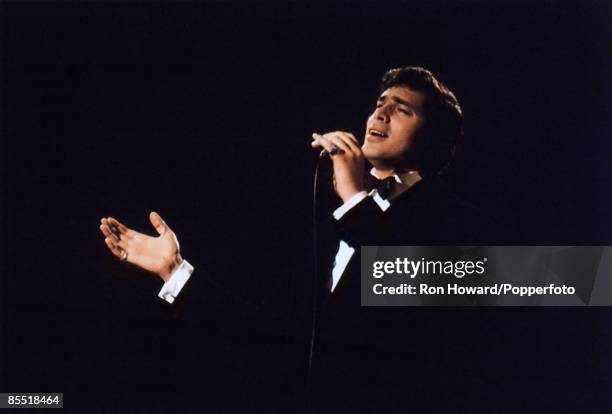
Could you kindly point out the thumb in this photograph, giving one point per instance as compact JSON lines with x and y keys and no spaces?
{"x":159,"y":224}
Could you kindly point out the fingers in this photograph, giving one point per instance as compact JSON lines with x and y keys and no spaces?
{"x":106,"y":231}
{"x":116,"y":224}
{"x":321,"y":141}
{"x":349,"y":139}
{"x":338,"y":143}
{"x":332,"y":144}
{"x":341,"y":140}
{"x":114,"y":248}
{"x":112,"y":240}
{"x":159,"y":224}
{"x":116,"y":229}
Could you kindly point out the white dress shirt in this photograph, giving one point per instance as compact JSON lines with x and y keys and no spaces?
{"x":171,"y":289}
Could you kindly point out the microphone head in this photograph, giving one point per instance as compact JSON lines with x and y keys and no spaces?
{"x":333,"y":151}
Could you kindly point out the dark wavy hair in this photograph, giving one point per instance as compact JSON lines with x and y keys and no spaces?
{"x":435,"y":147}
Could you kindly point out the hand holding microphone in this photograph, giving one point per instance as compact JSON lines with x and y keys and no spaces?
{"x":348,"y":161}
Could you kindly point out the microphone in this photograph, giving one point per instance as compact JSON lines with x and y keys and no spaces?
{"x":334,"y":150}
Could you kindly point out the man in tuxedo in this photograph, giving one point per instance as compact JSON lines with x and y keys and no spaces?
{"x":380,"y":360}
{"x":367,"y":359}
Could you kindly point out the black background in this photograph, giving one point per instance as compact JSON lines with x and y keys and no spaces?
{"x":203,"y":112}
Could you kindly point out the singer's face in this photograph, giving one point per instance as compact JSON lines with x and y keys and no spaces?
{"x":393,"y":126}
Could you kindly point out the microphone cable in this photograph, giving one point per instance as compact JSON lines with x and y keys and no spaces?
{"x":315,"y":281}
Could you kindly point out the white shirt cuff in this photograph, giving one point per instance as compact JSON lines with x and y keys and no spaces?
{"x":350,"y":203}
{"x":173,"y":286}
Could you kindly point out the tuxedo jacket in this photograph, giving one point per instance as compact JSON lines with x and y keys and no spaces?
{"x":422,"y":359}
{"x":364,"y":359}
{"x":370,"y":359}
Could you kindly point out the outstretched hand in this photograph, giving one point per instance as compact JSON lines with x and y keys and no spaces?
{"x":160,"y":255}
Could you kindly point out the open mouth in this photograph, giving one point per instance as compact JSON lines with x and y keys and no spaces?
{"x":377,"y":133}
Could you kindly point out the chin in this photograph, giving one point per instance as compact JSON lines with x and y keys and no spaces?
{"x":375,"y":153}
{"x":370,"y":156}
{"x":370,"y":152}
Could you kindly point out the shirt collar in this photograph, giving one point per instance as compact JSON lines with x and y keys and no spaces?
{"x":404,"y":181}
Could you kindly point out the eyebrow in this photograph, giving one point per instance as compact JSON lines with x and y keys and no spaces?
{"x":398,"y":100}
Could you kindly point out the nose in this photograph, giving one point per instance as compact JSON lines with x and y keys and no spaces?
{"x":382,"y":114}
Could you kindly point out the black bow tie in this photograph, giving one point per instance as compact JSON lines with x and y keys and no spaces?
{"x":384,"y":187}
